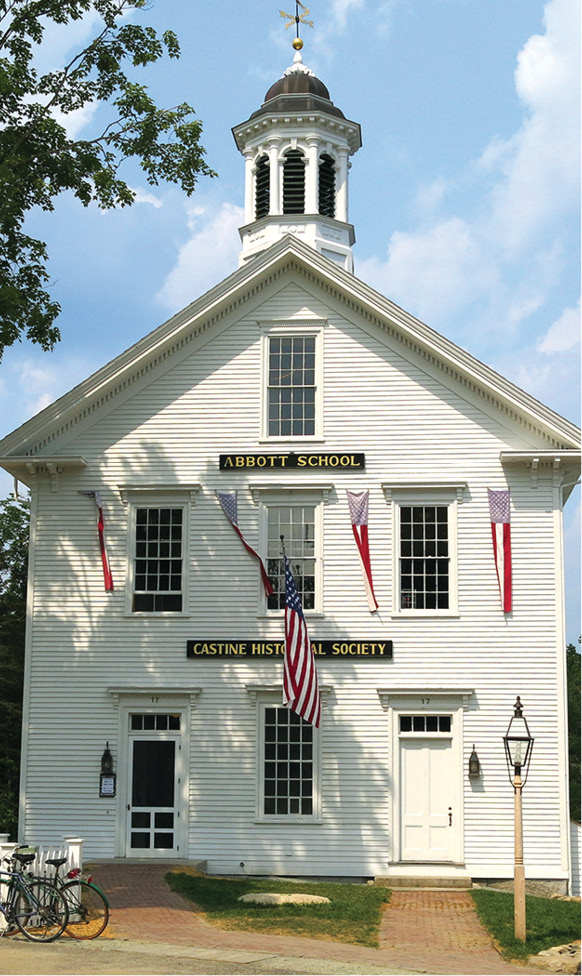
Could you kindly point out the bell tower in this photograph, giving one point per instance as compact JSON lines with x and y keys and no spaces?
{"x":296,"y":148}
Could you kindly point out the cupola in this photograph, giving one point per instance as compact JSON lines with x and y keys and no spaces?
{"x":296,"y":148}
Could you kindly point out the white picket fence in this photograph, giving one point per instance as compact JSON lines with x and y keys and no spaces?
{"x":71,"y":849}
{"x":576,"y":847}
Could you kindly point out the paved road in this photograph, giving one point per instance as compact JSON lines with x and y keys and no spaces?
{"x":111,"y":956}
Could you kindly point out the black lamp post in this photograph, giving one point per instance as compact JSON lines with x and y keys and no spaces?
{"x":518,"y":743}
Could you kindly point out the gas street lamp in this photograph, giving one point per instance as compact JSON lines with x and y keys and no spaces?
{"x":518,"y":743}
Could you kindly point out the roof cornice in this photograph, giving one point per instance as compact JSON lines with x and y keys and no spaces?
{"x":216,"y":303}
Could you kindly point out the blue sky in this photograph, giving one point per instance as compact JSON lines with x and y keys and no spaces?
{"x":464,"y":195}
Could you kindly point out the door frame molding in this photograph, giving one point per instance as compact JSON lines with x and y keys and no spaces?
{"x":179,"y":771}
{"x":425,"y":701}
{"x":128,"y":699}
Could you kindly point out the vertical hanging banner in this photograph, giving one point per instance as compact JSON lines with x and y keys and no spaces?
{"x":499,"y":513}
{"x":358,"y":502}
{"x":107,"y":577}
{"x":300,"y":685}
{"x":229,"y":506}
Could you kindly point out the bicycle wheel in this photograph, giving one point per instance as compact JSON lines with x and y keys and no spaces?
{"x":88,"y":909}
{"x":41,"y":911}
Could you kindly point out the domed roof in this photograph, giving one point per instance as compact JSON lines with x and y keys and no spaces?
{"x":298,"y":90}
{"x":298,"y":83}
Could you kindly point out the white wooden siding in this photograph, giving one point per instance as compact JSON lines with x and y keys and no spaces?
{"x":380,"y":399}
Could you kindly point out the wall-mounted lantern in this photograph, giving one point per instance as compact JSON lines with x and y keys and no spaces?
{"x":474,"y":765}
{"x":107,"y":779}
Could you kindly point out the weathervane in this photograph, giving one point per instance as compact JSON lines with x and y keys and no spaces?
{"x":297,"y":19}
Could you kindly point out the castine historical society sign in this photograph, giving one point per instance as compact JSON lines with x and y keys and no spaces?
{"x":344,"y":461}
{"x":364,"y":650}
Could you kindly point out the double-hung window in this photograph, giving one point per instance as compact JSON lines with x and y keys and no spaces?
{"x":296,"y":523}
{"x":157,"y":551}
{"x":296,"y":514}
{"x":425,"y":554}
{"x":288,"y":765}
{"x":158,"y":582}
{"x":292,"y":381}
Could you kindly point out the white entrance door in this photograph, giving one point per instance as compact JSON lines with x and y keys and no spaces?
{"x":427,"y":777}
{"x":153,"y":814}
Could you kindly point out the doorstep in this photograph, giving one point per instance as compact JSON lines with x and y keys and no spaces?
{"x":426,"y":876}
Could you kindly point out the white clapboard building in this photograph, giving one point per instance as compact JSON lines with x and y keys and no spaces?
{"x":290,"y":383}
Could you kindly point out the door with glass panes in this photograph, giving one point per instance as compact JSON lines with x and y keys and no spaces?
{"x":154,"y":814}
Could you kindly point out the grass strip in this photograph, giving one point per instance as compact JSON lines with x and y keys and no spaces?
{"x":353,"y":915}
{"x":549,"y":922}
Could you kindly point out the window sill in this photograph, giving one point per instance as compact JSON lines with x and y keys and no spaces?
{"x":152,"y":614}
{"x":287,"y":820}
{"x":425,"y":614}
{"x":280,"y":614}
{"x":309,"y":439}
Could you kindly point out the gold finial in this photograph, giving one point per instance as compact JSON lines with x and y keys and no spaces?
{"x":297,"y":19}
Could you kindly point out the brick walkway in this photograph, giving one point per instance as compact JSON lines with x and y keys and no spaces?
{"x":421,"y":931}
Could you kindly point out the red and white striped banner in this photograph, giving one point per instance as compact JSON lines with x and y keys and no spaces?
{"x":228,"y":503}
{"x":107,"y":577}
{"x":499,"y":513}
{"x":358,"y":502}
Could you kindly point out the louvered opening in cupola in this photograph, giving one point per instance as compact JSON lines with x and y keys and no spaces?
{"x":327,"y":186}
{"x":262,"y":197}
{"x":294,"y":182}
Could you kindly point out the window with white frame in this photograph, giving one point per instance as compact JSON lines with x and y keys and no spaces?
{"x":425,"y":555}
{"x":292,"y":379}
{"x":157,"y":559}
{"x":297,"y":523}
{"x":291,"y":386}
{"x":289,"y":766}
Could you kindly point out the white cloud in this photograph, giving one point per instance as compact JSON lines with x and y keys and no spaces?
{"x":446,"y":264}
{"x":563,"y":334}
{"x":341,"y":9}
{"x":31,"y":382}
{"x":74,"y":122}
{"x":209,"y":255}
{"x":429,"y":197}
{"x":433,"y":272}
{"x":539,"y":164}
{"x":144,"y":196}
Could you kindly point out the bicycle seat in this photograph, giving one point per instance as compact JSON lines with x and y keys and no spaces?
{"x":25,"y":858}
{"x":55,"y":861}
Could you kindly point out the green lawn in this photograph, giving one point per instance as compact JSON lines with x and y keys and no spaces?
{"x":352,"y":916}
{"x":549,"y":922}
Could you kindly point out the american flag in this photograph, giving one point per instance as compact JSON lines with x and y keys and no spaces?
{"x":499,"y":513}
{"x":107,"y":577}
{"x":358,"y":502}
{"x":229,"y":506}
{"x":300,"y":685}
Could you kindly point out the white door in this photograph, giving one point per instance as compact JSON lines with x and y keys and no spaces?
{"x":427,"y":790}
{"x":153,"y":808}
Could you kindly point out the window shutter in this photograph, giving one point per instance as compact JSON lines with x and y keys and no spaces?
{"x":294,"y":182}
{"x":327,"y":186}
{"x":262,"y":191}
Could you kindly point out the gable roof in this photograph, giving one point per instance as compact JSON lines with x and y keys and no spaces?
{"x":34,"y":436}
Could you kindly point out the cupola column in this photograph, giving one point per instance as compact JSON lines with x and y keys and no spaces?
{"x":341,"y":199}
{"x":311,"y":178}
{"x":249,"y":189}
{"x":274,"y":206}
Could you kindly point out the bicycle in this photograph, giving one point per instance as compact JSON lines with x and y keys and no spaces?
{"x":34,"y":905}
{"x":87,"y":905}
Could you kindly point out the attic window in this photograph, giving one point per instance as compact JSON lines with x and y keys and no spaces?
{"x":327,"y":186}
{"x":294,"y":182}
{"x":262,"y":192}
